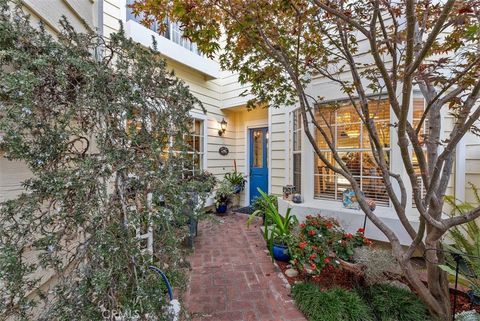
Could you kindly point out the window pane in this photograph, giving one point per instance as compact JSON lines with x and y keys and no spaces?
{"x":198,"y":127}
{"x":329,"y":132}
{"x":321,"y":167}
{"x":258,"y":148}
{"x":383,"y":131}
{"x":352,"y":141}
{"x":347,"y":115}
{"x":348,"y":136}
{"x":297,"y":172}
{"x":324,"y":186}
{"x":353,"y":162}
{"x":374,"y":188}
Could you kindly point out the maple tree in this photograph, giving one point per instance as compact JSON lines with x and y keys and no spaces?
{"x":368,"y":50}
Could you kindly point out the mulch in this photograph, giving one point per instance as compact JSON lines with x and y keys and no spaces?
{"x":339,"y":277}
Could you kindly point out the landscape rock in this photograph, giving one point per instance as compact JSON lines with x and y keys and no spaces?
{"x":291,"y":273}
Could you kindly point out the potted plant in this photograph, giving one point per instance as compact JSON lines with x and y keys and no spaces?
{"x":259,"y":204}
{"x":237,"y":180}
{"x":223,"y":196}
{"x":278,"y":228}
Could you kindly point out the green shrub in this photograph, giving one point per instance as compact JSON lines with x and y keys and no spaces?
{"x":390,"y":303}
{"x":333,"y":305}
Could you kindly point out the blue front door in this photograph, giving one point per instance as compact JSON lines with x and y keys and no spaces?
{"x":258,"y":142}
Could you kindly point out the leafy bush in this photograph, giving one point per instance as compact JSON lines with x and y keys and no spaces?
{"x":101,"y":125}
{"x":236,"y":179}
{"x":322,"y":241}
{"x":333,"y":305}
{"x":390,"y":303}
{"x":224,"y":193}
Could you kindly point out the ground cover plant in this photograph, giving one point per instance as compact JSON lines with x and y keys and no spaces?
{"x":330,"y":305}
{"x":378,"y":303}
{"x":101,"y":126}
{"x":391,"y":303}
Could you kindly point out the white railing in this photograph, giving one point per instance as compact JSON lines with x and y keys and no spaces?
{"x":172,"y":32}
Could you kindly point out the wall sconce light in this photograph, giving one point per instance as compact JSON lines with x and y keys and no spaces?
{"x":223,"y":127}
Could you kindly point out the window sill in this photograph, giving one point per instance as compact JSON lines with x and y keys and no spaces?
{"x":351,"y":220}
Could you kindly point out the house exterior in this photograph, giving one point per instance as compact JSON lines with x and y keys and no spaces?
{"x":266,"y":144}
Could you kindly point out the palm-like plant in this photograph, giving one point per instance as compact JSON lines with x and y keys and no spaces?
{"x":466,"y":243}
{"x":278,"y":228}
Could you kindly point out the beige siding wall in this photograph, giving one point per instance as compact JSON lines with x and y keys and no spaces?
{"x":82,"y":14}
{"x":472,"y":166}
{"x":279,"y":150}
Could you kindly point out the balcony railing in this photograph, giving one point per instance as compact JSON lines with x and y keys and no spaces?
{"x":172,"y":32}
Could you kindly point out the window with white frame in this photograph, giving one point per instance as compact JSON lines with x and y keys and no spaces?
{"x":297,"y":150}
{"x":350,"y":138}
{"x":196,"y":146}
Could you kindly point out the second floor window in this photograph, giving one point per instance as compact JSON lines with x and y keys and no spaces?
{"x":351,"y":140}
{"x":170,"y":31}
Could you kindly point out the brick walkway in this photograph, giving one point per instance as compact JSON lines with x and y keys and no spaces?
{"x":232,"y":277}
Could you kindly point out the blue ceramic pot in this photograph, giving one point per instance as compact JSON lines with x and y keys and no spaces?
{"x":237,"y":189}
{"x":280,"y":253}
{"x":475,"y":299}
{"x":222,"y":209}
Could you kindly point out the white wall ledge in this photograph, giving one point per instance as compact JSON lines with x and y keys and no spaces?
{"x":171,"y":50}
{"x":351,"y":220}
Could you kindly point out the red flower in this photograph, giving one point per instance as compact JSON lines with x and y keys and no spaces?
{"x":313,"y":266}
{"x":311,"y":232}
{"x":313,"y":256}
{"x":367,"y":241}
{"x":302,"y":245}
{"x":314,"y":247}
{"x":309,"y":217}
{"x":302,"y":225}
{"x":361,"y":230}
{"x":349,"y":236}
{"x":329,"y":225}
{"x":327,"y":260}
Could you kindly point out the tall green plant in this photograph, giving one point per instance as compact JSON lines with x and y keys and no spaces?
{"x":94,"y":119}
{"x":280,"y":228}
{"x":466,"y":243}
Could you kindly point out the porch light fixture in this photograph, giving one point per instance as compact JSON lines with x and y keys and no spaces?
{"x":223,"y":127}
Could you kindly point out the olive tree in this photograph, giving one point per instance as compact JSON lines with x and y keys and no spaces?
{"x":101,"y":125}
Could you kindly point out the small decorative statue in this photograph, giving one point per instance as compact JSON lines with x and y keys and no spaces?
{"x":349,"y":199}
{"x":288,"y":192}
{"x":297,"y":198}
